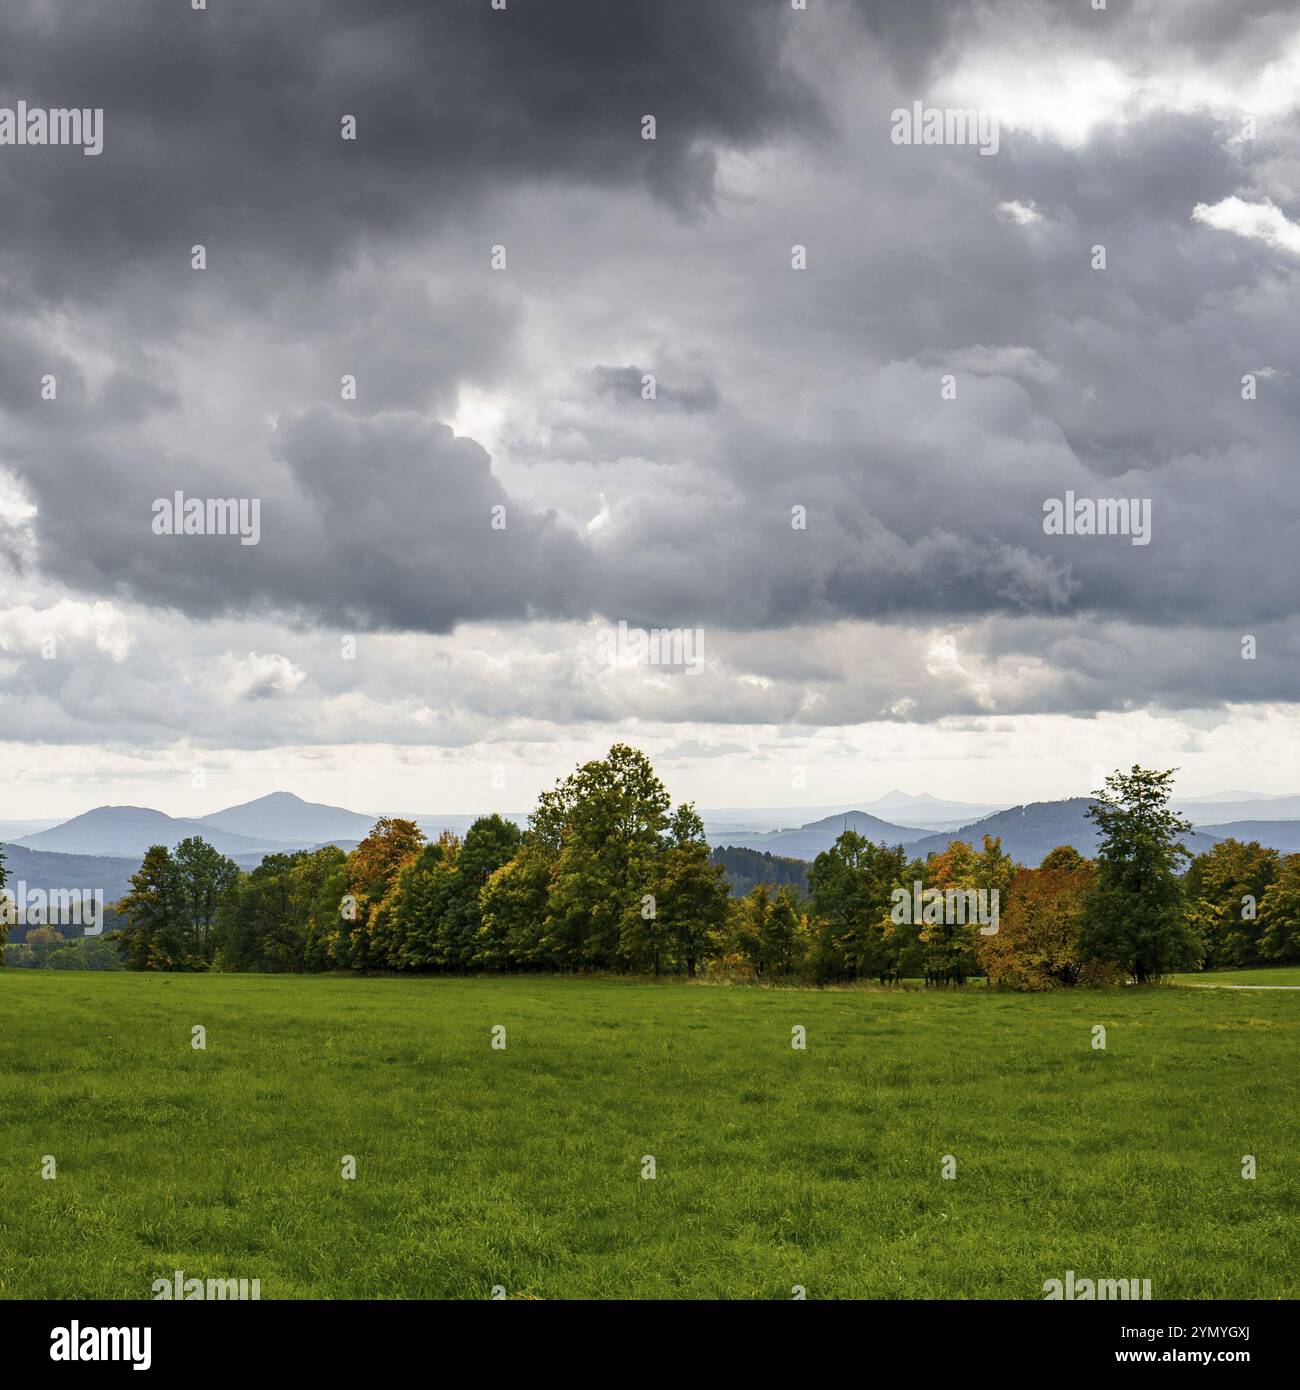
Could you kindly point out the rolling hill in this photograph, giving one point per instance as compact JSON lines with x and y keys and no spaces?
{"x":49,"y":872}
{"x":126,"y":831}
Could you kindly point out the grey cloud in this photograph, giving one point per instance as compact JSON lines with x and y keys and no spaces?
{"x":818,"y":389}
{"x":627,"y":384}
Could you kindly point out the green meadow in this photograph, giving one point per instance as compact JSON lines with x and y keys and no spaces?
{"x":521,"y":1166}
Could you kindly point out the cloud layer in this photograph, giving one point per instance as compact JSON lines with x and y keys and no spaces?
{"x":500,"y":371}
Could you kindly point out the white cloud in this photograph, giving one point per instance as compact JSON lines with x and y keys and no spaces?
{"x":28,"y":629}
{"x":255,"y":677}
{"x":1257,"y":221}
{"x":1022,"y":214}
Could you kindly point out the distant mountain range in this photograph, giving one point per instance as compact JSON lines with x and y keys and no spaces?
{"x":1027,"y":833}
{"x":279,"y":823}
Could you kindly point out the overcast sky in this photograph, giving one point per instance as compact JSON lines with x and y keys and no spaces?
{"x":920,"y":631}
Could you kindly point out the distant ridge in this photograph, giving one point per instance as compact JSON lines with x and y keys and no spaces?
{"x":1281,"y":835}
{"x":808,"y":841}
{"x":1213,"y":811}
{"x":1028,"y":832}
{"x":130,"y":830}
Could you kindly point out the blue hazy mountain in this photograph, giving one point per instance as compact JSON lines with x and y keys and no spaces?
{"x":130,"y":830}
{"x":1029,"y":832}
{"x":282,"y":817}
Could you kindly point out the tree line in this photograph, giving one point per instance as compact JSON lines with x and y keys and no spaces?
{"x":607,"y":876}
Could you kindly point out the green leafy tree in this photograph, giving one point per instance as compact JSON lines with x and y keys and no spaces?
{"x":1136,"y":915}
{"x":1281,"y":912}
{"x":489,"y":844}
{"x":324,"y":945}
{"x":781,"y":939}
{"x":1226,"y":887}
{"x":674,"y":926}
{"x":617,"y":810}
{"x":851,"y":887}
{"x":206,"y":880}
{"x":513,"y":910}
{"x":412,"y":912}
{"x":156,"y":935}
{"x":267,"y":920}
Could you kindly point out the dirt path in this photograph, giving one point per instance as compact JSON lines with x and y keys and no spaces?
{"x":1190,"y":985}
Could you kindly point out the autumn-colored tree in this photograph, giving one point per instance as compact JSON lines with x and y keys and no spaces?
{"x":749,"y":918}
{"x":364,"y":936}
{"x":1041,"y":916}
{"x":949,"y":944}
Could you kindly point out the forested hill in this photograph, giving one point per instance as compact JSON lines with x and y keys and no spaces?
{"x":747,"y":867}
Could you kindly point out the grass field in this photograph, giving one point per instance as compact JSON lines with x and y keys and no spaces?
{"x":522,"y":1167}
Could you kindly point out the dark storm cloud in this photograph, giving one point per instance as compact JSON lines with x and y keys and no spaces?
{"x":223,"y":126}
{"x":818,"y":390}
{"x":379,"y":523}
